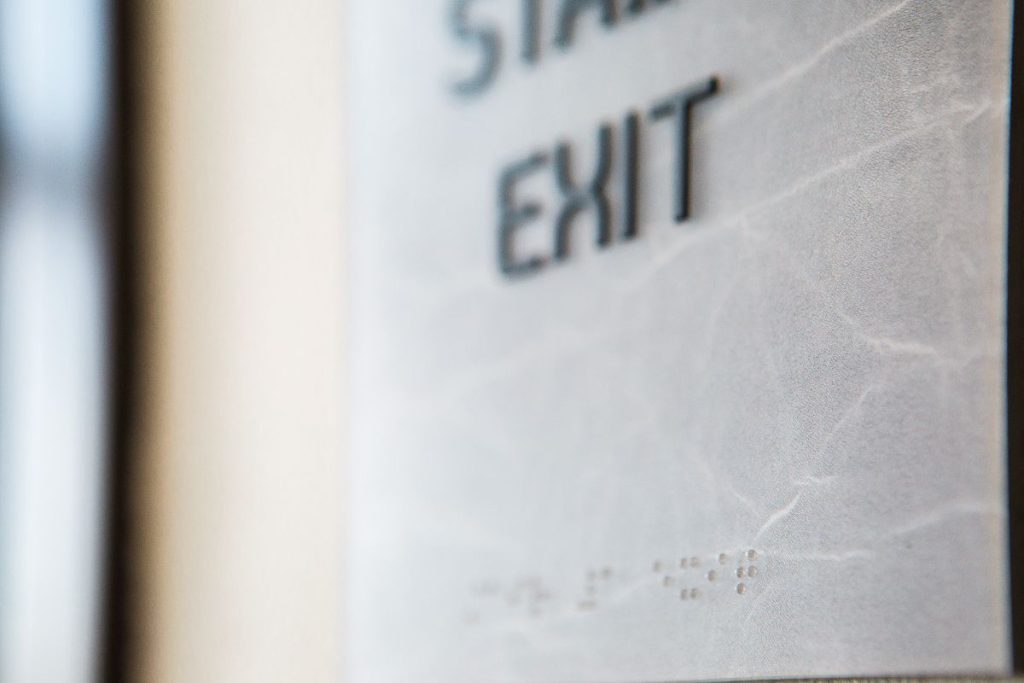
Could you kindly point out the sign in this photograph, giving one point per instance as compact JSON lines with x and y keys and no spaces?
{"x":679,"y":339}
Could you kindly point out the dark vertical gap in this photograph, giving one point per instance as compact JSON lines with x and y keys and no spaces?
{"x":123,"y":251}
{"x":1015,"y":339}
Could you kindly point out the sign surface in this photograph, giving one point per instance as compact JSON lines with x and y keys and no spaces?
{"x":679,"y":339}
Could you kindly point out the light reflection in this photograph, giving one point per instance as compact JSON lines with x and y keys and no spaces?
{"x":53,"y":108}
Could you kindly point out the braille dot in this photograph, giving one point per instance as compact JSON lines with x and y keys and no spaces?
{"x":684,"y":594}
{"x":752,"y":572}
{"x":682,"y":563}
{"x":722,"y":558}
{"x":666,"y":581}
{"x":741,"y":588}
{"x":657,"y":566}
{"x":751,"y":554}
{"x":694,"y":593}
{"x":739,"y":573}
{"x":712,"y":575}
{"x":694,"y":561}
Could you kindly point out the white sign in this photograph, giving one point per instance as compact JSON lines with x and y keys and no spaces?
{"x":678,"y":339}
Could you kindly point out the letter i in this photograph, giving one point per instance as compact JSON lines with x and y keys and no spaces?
{"x":630,"y":177}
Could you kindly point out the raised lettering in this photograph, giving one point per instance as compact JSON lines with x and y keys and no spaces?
{"x":578,"y":198}
{"x":570,"y":9}
{"x":489,"y":42}
{"x":681,"y":106}
{"x":511,"y":216}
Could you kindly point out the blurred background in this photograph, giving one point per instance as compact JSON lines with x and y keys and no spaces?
{"x":171,"y":341}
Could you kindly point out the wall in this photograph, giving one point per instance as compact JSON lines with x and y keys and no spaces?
{"x":239,"y":510}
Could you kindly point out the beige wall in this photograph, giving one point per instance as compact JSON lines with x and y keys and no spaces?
{"x":239,"y":506}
